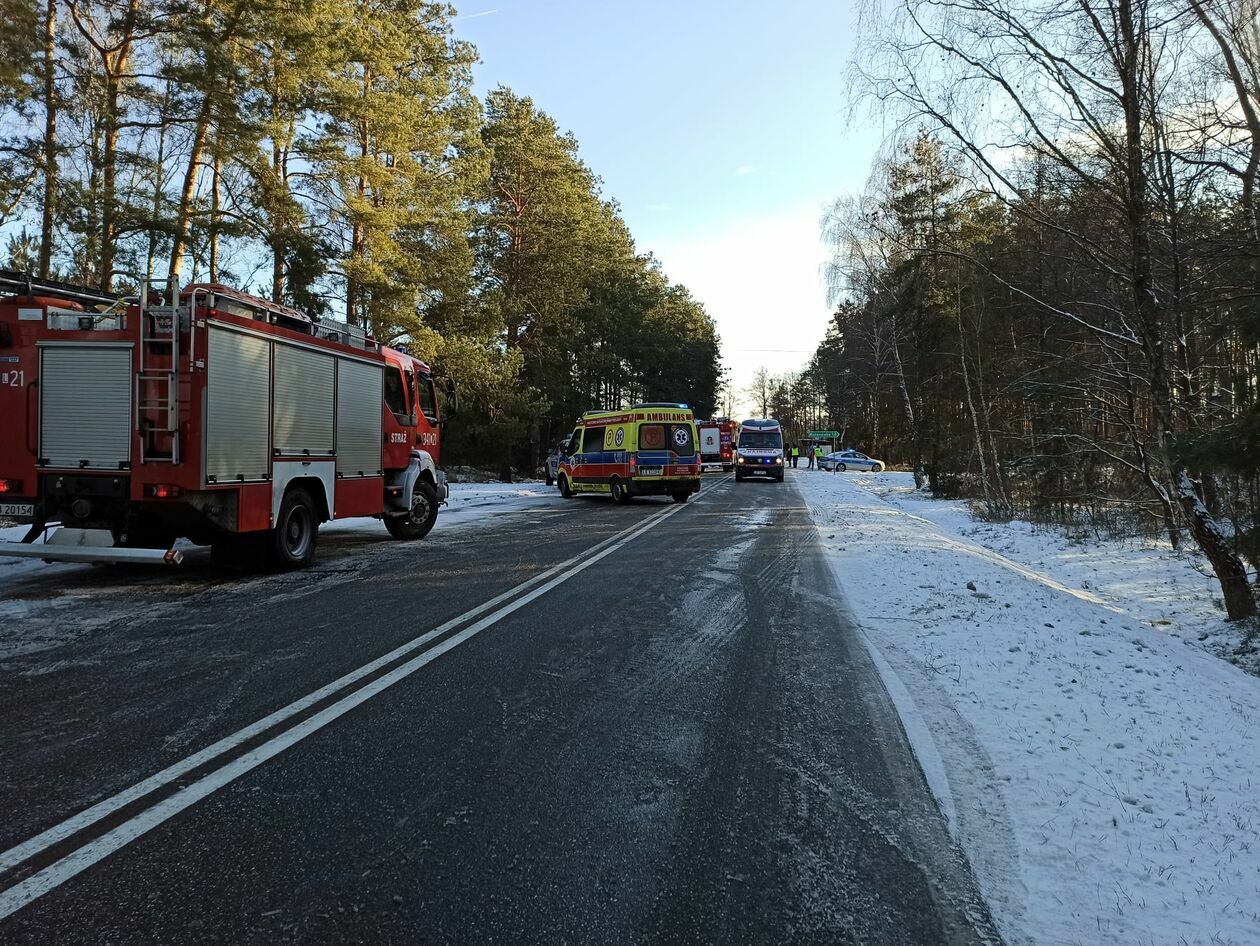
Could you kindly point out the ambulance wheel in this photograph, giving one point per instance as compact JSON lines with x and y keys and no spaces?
{"x":680,"y":497}
{"x":550,"y":480}
{"x":617,"y":489}
{"x":565,"y":490}
{"x":293,"y":538}
{"x":419,"y":522}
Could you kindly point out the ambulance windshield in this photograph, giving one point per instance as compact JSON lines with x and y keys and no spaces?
{"x":761,"y":439}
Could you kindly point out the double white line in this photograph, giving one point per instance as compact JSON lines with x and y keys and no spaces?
{"x":100,"y":845}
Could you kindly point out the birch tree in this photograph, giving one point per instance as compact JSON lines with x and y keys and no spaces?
{"x":1087,"y":88}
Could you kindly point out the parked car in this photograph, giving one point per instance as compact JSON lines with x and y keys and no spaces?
{"x":843,"y":460}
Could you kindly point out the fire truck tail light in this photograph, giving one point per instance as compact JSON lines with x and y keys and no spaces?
{"x":164,"y":490}
{"x":10,"y":486}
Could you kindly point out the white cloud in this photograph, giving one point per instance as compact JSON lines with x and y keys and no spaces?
{"x":761,"y":280}
{"x":744,"y":170}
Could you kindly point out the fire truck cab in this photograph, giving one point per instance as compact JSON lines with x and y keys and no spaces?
{"x":207,"y":414}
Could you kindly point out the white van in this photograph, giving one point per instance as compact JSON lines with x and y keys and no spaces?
{"x":759,"y":450}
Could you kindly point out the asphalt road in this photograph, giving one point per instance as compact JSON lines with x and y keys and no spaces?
{"x":587,"y":724}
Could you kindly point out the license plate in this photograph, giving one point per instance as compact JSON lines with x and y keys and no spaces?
{"x":649,"y":471}
{"x":17,"y":509}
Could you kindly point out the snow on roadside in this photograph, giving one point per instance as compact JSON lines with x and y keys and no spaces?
{"x":478,"y":500}
{"x":1143,"y":578}
{"x":472,"y":503}
{"x":1104,"y":773}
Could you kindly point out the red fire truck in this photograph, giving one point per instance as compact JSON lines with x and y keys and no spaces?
{"x":208,"y":414}
{"x":717,"y":443}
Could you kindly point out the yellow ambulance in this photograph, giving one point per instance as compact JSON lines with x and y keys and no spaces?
{"x":645,"y":450}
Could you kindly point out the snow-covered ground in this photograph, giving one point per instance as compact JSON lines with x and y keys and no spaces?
{"x":471,"y":503}
{"x":1098,"y":765}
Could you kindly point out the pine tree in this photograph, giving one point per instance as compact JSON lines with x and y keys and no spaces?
{"x":396,"y":153}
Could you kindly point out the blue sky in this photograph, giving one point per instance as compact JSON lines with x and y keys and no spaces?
{"x":720,"y":127}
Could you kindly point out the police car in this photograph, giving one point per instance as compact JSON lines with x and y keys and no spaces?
{"x":843,"y":460}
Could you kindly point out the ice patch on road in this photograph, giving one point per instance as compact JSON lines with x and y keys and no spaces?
{"x":728,"y":558}
{"x":755,"y":518}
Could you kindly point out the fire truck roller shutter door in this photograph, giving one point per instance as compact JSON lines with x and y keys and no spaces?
{"x":238,"y":407}
{"x":360,"y":393}
{"x":85,"y":406}
{"x":302,"y":409}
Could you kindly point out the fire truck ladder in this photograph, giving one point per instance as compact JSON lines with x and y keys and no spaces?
{"x":24,"y":284}
{"x":157,"y":386}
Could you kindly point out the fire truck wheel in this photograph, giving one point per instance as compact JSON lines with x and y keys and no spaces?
{"x":620,"y":495}
{"x":565,"y":490}
{"x":417,"y":523}
{"x":293,"y":538}
{"x":680,"y":497}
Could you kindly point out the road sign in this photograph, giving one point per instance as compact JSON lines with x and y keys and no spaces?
{"x":823,"y":434}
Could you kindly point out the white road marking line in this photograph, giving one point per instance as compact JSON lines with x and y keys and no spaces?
{"x":29,"y":848}
{"x":60,"y":871}
{"x":726,"y":480}
{"x":89,"y":816}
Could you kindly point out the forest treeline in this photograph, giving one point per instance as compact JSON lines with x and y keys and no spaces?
{"x":332,"y":155}
{"x":1046,"y":298}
